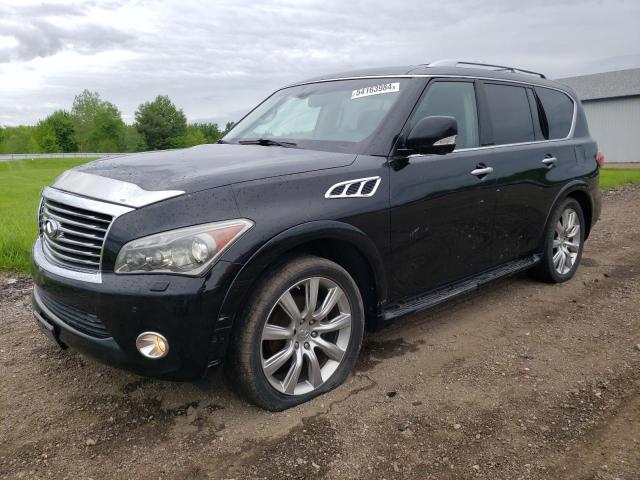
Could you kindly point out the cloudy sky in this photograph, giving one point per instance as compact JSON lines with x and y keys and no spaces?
{"x":216,"y":59}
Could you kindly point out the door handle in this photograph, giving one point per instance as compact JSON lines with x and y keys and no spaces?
{"x":479,"y":172}
{"x":549,"y":161}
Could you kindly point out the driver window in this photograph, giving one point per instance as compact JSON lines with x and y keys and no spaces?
{"x":452,"y":99}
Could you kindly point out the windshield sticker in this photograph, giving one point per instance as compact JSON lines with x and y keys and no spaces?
{"x":375,"y":90}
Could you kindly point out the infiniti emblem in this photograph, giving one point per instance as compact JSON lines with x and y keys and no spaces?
{"x":51,"y":228}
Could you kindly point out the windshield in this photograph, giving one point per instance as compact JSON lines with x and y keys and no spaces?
{"x":337,"y":115}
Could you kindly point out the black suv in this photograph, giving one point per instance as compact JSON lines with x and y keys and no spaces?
{"x":338,"y":203}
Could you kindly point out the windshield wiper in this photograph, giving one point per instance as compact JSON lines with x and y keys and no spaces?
{"x":268,"y":142}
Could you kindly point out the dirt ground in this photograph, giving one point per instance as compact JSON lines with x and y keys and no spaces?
{"x":520,"y":381}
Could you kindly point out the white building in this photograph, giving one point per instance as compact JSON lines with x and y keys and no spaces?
{"x":611,"y":101}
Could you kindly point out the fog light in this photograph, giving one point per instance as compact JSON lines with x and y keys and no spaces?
{"x":152,"y":345}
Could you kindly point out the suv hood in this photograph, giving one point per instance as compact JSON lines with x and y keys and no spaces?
{"x":208,"y":166}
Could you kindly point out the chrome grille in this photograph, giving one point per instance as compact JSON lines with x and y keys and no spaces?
{"x":73,"y":228}
{"x":79,"y":234}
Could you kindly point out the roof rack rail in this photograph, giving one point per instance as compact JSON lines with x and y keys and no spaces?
{"x":498,"y":68}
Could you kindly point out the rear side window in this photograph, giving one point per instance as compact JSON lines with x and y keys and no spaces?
{"x":558,"y":110}
{"x":452,"y":99}
{"x":510,"y":114}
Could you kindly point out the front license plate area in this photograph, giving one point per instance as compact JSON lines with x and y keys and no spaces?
{"x":48,"y":329}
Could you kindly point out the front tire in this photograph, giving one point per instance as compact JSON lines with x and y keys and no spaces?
{"x":563,"y":243}
{"x":300,"y":334}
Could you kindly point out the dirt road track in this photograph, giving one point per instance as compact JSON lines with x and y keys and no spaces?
{"x":438,"y":395}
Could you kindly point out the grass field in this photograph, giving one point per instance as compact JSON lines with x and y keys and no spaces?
{"x":614,"y":177}
{"x":22,"y":180}
{"x":20,"y":184}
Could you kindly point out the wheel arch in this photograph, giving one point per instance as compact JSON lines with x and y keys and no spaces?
{"x":583,"y":198}
{"x":342,"y":243}
{"x":578,"y":190}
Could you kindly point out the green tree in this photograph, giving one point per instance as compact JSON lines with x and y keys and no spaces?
{"x":19,"y":139}
{"x":62,"y":124}
{"x":132,"y":141}
{"x":228,"y":127}
{"x":98,"y":123}
{"x":161,"y":124}
{"x":47,"y":143}
{"x":193,"y":136}
{"x":211,"y":131}
{"x":56,"y":133}
{"x":84,"y":109}
{"x":108,"y":130}
{"x":45,"y":137}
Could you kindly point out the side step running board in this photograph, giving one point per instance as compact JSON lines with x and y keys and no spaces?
{"x":449,"y":292}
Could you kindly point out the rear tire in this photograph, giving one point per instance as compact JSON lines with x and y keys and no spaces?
{"x":563,"y":243}
{"x":299,"y":335}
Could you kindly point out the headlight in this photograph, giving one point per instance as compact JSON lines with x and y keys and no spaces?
{"x":187,"y":251}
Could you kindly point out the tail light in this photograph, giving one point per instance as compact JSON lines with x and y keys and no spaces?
{"x":600,"y":160}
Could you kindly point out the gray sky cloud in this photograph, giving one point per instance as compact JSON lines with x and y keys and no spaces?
{"x":217,"y":59}
{"x":41,"y":38}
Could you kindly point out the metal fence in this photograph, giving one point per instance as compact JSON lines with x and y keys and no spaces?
{"x":30,"y":156}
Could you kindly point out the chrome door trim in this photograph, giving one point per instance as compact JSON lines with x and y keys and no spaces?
{"x":110,"y":189}
{"x":487,"y":147}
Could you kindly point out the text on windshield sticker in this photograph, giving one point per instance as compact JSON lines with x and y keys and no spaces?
{"x":376,"y":90}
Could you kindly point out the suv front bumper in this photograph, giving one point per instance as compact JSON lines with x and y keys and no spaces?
{"x":103,"y":318}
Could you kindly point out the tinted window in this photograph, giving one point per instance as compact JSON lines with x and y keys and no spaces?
{"x":452,"y":99}
{"x":510,"y":114}
{"x":558,"y":109}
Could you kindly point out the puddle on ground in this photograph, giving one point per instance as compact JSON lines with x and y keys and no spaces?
{"x":135,"y":385}
{"x":374,"y":352}
{"x":589,"y":262}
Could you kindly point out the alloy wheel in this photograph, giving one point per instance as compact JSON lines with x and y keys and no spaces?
{"x":306,"y":336}
{"x":566,"y":241}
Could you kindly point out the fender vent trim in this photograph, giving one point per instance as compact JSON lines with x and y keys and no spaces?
{"x":357,"y":188}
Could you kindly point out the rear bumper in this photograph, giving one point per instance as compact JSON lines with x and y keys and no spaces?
{"x":103,"y":319}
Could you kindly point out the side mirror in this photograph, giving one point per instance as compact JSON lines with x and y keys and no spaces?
{"x":433,"y":135}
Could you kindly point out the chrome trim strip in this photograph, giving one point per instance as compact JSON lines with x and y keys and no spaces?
{"x":78,"y":243}
{"x":45,"y":264}
{"x":39,"y":218}
{"x":81,"y":234}
{"x":52,"y":245}
{"x":111,"y":190}
{"x":73,"y":222}
{"x":498,"y":68}
{"x":85,"y":203}
{"x":76,"y":214}
{"x":348,"y":183}
{"x":572,"y":130}
{"x":471,"y":149}
{"x":442,"y":75}
{"x":61,"y":256}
